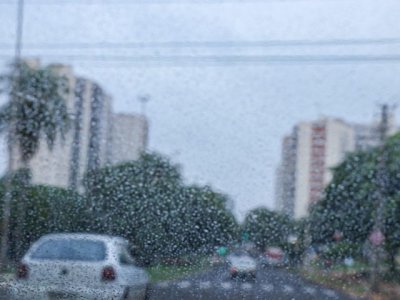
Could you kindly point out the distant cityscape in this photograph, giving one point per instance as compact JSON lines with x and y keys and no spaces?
{"x":100,"y":137}
{"x":310,"y":152}
{"x":97,"y":136}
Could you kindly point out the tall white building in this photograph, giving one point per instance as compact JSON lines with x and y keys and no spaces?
{"x":285,"y":173}
{"x":309,"y":153}
{"x":90,"y":143}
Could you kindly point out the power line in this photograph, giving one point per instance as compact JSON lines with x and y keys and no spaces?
{"x":229,"y":59}
{"x":210,"y":44}
{"x":151,"y":2}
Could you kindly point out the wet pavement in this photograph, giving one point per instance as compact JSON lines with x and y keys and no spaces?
{"x":274,"y":284}
{"x":270,"y":283}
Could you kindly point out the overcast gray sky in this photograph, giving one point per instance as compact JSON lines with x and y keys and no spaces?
{"x":222,"y":121}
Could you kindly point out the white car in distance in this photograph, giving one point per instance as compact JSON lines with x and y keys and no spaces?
{"x":242,"y":265}
{"x":79,"y":266}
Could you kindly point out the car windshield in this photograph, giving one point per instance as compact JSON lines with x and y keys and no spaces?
{"x":70,"y":249}
{"x":191,"y":130}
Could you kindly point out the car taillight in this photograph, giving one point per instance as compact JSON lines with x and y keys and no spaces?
{"x":22,"y":271}
{"x":109,"y":274}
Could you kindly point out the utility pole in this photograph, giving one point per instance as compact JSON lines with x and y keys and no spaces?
{"x":5,"y":229}
{"x":376,"y":238}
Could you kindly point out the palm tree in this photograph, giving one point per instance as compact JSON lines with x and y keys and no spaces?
{"x":37,"y":109}
{"x":36,"y":112}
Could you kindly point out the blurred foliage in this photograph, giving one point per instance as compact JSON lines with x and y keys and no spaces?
{"x":147,"y":202}
{"x":144,"y":201}
{"x":340,"y":250}
{"x":35,"y":112}
{"x":48,"y":209}
{"x":350,"y":201}
{"x":267,"y":228}
{"x":36,"y":109}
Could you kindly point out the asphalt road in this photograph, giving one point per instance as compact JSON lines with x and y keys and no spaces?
{"x":3,"y":291}
{"x":272,"y":284}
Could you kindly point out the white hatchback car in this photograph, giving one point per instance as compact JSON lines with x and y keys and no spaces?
{"x":79,"y":266}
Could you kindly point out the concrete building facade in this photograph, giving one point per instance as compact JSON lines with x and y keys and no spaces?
{"x":96,"y":137}
{"x":305,"y":170}
{"x":285,"y":175}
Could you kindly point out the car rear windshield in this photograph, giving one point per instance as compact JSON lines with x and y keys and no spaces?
{"x":71,"y":249}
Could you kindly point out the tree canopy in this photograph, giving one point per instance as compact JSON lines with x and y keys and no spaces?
{"x":147,"y":202}
{"x":350,"y":200}
{"x":267,"y":228}
{"x":36,"y":109}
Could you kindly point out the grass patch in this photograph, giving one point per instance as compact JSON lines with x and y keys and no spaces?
{"x":353,"y":281}
{"x":348,"y":282}
{"x":172,"y":272}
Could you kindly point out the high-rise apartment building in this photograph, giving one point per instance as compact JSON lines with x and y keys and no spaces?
{"x":308,"y":155}
{"x":285,"y":176}
{"x":96,"y":136}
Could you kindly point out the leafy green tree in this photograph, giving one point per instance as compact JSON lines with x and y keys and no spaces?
{"x":350,"y":200}
{"x":207,"y":222}
{"x":147,"y":202}
{"x":36,"y":111}
{"x":267,"y":228}
{"x":49,"y":210}
{"x":348,"y":203}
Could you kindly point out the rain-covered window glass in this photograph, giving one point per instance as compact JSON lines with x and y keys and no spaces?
{"x":78,"y":250}
{"x":200,"y":149}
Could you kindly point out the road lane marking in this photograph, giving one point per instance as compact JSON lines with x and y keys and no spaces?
{"x":267,"y":287}
{"x":205,"y":285}
{"x":310,"y":290}
{"x":247,"y":286}
{"x":183,"y":284}
{"x":287,"y":289}
{"x":226,"y":285}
